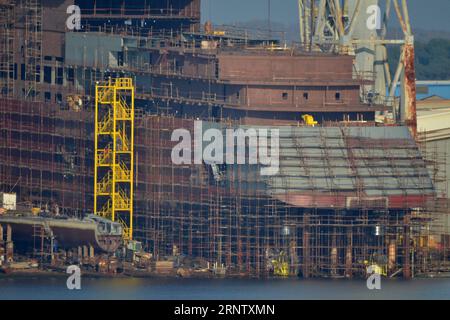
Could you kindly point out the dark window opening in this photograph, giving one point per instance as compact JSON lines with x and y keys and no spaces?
{"x":285,"y":95}
{"x":58,"y":98}
{"x":70,"y":75}
{"x":48,"y":58}
{"x":59,"y":76}
{"x":306,"y":95}
{"x":120,"y":59}
{"x":337,"y":96}
{"x":47,"y":74}
{"x":11,"y":71}
{"x":47,"y":96}
{"x":22,"y":72}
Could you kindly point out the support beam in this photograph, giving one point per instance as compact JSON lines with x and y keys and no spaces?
{"x":409,"y":99}
{"x":406,"y":248}
{"x":349,"y":254}
{"x":9,"y":244}
{"x":306,"y":247}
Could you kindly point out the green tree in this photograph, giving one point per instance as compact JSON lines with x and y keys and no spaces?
{"x":432,"y":59}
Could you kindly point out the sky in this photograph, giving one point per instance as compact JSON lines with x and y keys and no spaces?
{"x":425,"y":14}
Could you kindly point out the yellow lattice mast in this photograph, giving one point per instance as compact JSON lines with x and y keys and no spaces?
{"x":114,"y":152}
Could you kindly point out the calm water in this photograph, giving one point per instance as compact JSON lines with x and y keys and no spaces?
{"x":128,"y":288}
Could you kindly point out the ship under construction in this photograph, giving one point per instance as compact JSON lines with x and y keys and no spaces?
{"x":92,"y":90}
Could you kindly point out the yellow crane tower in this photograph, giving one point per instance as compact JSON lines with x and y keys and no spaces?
{"x":114,"y":152}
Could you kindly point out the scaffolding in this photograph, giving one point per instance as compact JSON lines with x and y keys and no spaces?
{"x":32,"y":47}
{"x":7,"y":72}
{"x":240,"y":230}
{"x":439,"y":214}
{"x":114,"y":152}
{"x":222,"y":220}
{"x":51,"y":164}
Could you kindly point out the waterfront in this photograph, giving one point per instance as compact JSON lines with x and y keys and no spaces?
{"x":54,"y":287}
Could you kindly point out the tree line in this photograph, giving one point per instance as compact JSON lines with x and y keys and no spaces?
{"x":432,"y":59}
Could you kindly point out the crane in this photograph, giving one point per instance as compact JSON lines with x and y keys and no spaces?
{"x":346,"y":27}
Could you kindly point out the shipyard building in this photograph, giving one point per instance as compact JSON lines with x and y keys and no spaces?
{"x":350,"y":190}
